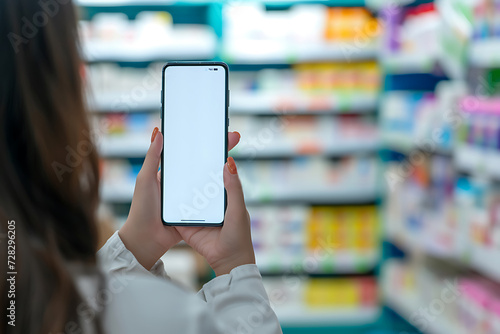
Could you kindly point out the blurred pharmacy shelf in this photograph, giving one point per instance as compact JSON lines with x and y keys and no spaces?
{"x":443,"y":227}
{"x":380,"y":4}
{"x":269,"y":52}
{"x":300,"y":103}
{"x":112,"y":3}
{"x":439,"y":298}
{"x":328,"y":195}
{"x":283,"y":149}
{"x":323,"y":302}
{"x":136,"y":146}
{"x":322,"y":164}
{"x":303,"y":242}
{"x":401,"y":63}
{"x":281,"y":3}
{"x":474,"y":257}
{"x":406,"y":305}
{"x":248,"y":103}
{"x":303,"y":316}
{"x":405,"y":144}
{"x":478,"y":161}
{"x":338,"y":262}
{"x":183,"y":43}
{"x":120,"y":101}
{"x":122,"y":192}
{"x":485,"y":53}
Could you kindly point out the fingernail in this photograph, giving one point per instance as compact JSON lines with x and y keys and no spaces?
{"x":231,"y":165}
{"x":239,"y":136}
{"x":153,"y":136}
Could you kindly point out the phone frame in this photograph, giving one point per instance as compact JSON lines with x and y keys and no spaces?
{"x":226,"y":120}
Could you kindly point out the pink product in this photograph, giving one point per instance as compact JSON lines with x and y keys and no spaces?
{"x":494,"y":317}
{"x":473,"y":104}
{"x":473,"y":311}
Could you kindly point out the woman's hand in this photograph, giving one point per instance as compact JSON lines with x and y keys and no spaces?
{"x":143,"y":233}
{"x":228,"y":246}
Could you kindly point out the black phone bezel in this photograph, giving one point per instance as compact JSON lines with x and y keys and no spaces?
{"x":226,"y":120}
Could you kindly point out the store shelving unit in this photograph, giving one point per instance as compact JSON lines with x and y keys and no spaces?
{"x":405,"y":306}
{"x":245,"y":103}
{"x":207,"y":45}
{"x":472,"y":160}
{"x":264,"y":52}
{"x":303,"y":317}
{"x":134,"y":146}
{"x":476,"y":258}
{"x":122,"y":193}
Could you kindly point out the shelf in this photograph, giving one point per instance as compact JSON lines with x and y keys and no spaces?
{"x":250,"y":103}
{"x":329,"y":195}
{"x":485,"y":53}
{"x":114,"y":102}
{"x":407,"y":306}
{"x":404,"y":63}
{"x":119,"y":3}
{"x":341,"y":262}
{"x":122,"y":193}
{"x":128,"y":146}
{"x":287,"y":148}
{"x":485,"y":261}
{"x":302,"y":315}
{"x":286,"y":3}
{"x":478,"y":161}
{"x":380,"y":4}
{"x":403,"y":143}
{"x":113,"y":3}
{"x":477,"y":258}
{"x":136,"y":146}
{"x":184,"y":43}
{"x":299,"y":103}
{"x":480,"y":105}
{"x":276,"y":52}
{"x":117,"y":193}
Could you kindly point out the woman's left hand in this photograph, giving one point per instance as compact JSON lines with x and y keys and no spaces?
{"x":144,"y":233}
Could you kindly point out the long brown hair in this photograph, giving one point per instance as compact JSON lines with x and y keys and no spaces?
{"x":48,"y":165}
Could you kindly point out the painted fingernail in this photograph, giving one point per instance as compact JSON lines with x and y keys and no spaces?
{"x":153,"y":136}
{"x":231,"y":165}
{"x":239,"y":136}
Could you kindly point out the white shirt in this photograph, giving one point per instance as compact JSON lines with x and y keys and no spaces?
{"x":134,"y":300}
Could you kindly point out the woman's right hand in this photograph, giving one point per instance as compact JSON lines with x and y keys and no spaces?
{"x":228,"y":246}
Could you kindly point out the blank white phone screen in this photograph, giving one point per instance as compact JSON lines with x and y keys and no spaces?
{"x":194,"y":121}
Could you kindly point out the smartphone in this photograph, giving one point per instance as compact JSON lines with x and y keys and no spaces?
{"x":195,"y":101}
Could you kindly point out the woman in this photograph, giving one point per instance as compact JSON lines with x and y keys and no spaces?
{"x":49,"y":192}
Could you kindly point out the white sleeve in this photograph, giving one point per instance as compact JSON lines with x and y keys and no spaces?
{"x":239,"y":301}
{"x":232,"y":303}
{"x":114,"y":257}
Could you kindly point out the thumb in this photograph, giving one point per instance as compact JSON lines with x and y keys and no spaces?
{"x":152,"y":160}
{"x":235,"y":198}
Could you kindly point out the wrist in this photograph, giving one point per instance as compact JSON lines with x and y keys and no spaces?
{"x":146,"y":252}
{"x":224,"y":266}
